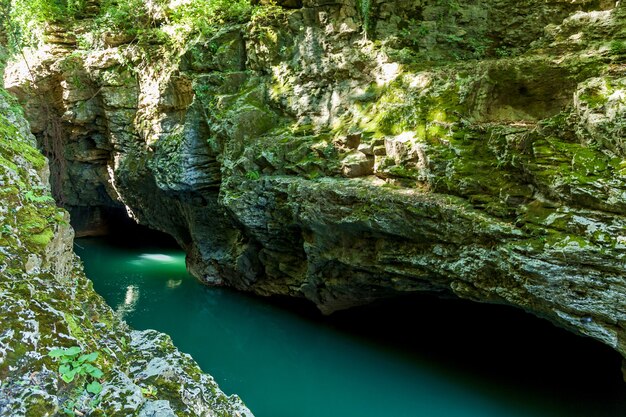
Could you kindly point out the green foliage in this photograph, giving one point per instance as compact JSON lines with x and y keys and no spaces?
{"x":5,"y":230}
{"x":94,"y":387}
{"x":150,"y":391}
{"x":478,"y":47}
{"x":192,"y":17}
{"x":267,"y":12}
{"x":22,"y":19}
{"x":503,"y":52}
{"x":365,"y":11}
{"x":68,"y":407}
{"x":123,"y":15}
{"x":174,"y":25}
{"x":412,"y":32}
{"x":204,"y":16}
{"x":618,"y":47}
{"x":73,"y":364}
{"x":253,"y":175}
{"x":31,"y":197}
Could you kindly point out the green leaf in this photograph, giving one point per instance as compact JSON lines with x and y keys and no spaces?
{"x":69,"y":376}
{"x":93,"y":371}
{"x":88,"y":358}
{"x":94,"y":403}
{"x":56,"y":353}
{"x":63,"y":369}
{"x":74,"y":350}
{"x":94,"y":387}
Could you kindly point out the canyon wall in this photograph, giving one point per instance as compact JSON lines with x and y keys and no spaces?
{"x":47,"y":303}
{"x":344,"y":151}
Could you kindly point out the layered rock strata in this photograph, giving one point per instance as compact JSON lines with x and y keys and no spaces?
{"x":347,"y":151}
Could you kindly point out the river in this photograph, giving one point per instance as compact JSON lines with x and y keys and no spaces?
{"x":407,"y":358}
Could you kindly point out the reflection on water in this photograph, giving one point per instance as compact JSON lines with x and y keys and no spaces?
{"x":137,"y":265}
{"x":173,"y":283}
{"x":130,"y":301}
{"x":285,"y":364}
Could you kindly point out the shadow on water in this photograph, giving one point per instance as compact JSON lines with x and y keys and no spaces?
{"x":410,"y":356}
{"x":500,"y":346}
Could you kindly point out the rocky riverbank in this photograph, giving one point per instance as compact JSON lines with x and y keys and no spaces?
{"x":47,"y":303}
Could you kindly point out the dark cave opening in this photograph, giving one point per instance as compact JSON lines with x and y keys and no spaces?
{"x":500,"y":344}
{"x":115,"y":226}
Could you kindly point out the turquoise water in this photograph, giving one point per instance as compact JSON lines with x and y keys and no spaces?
{"x":287,"y":362}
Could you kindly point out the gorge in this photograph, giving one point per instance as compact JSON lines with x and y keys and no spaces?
{"x":334,"y":152}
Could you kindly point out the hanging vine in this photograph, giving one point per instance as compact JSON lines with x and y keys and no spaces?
{"x":365,"y":12}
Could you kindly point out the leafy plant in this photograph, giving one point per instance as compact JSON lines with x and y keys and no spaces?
{"x":31,"y":197}
{"x":94,"y":387}
{"x":207,"y":16}
{"x":149,"y":391}
{"x":618,"y":47}
{"x":452,"y":38}
{"x":123,"y":15}
{"x":413,"y":32}
{"x":68,"y":407}
{"x":73,"y":364}
{"x":23,"y":19}
{"x":6,"y":230}
{"x":253,"y":175}
{"x":364,"y":7}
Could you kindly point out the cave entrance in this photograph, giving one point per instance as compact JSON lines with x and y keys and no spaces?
{"x":98,"y":220}
{"x":113,"y":227}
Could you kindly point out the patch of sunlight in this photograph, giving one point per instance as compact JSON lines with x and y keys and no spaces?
{"x":387,"y":72}
{"x":158,"y":257}
{"x":420,"y":81}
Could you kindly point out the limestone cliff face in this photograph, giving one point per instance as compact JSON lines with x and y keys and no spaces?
{"x":345,"y":151}
{"x":46,"y":302}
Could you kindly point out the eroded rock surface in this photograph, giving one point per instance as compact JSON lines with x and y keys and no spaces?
{"x":344,"y":153}
{"x":46,"y":302}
